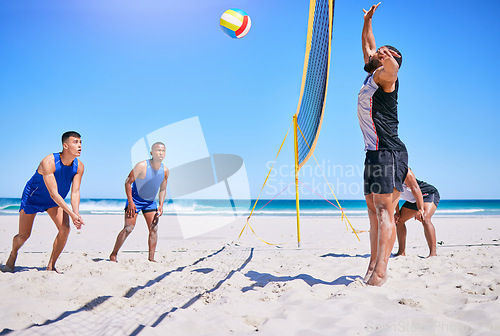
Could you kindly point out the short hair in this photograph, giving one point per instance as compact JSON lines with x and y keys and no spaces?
{"x":158,"y":143}
{"x":69,"y":134}
{"x":398,"y":59}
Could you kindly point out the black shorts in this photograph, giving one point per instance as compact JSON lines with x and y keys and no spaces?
{"x":385,"y":170}
{"x":428,"y":198}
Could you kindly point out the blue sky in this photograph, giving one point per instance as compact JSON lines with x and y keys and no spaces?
{"x":118,"y":70}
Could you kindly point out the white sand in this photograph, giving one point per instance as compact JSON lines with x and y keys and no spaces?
{"x":206,"y":286}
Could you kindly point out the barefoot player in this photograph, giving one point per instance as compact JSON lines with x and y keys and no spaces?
{"x":45,"y":191}
{"x":141,"y":187}
{"x":386,"y":162}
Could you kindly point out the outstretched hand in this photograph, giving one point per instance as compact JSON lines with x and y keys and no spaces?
{"x":369,"y":13}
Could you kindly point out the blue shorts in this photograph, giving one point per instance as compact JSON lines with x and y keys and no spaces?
{"x":35,"y":200}
{"x":142,"y":205}
{"x":34,"y":208}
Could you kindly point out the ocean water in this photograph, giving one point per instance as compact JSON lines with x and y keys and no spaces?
{"x":356,"y":208}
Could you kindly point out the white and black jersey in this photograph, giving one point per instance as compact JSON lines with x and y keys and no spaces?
{"x":378,"y":117}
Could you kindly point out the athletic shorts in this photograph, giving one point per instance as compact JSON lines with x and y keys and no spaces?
{"x":34,"y":208}
{"x":385,"y":170}
{"x":428,"y":198}
{"x":142,"y":205}
{"x":33,"y":201}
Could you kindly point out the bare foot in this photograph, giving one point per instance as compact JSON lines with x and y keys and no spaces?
{"x":11,"y":262}
{"x":112,"y":257}
{"x":377,"y":279}
{"x":152,"y":260}
{"x":7,"y":269}
{"x":368,"y":275}
{"x":400,"y":254}
{"x":432,"y":255}
{"x":53,"y":269}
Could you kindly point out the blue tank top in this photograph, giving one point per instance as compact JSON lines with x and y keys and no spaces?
{"x":147,"y":188}
{"x":37,"y":190}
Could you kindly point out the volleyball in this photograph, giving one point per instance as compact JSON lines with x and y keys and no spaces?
{"x":235,"y":23}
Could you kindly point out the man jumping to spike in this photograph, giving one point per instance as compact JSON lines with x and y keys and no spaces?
{"x":386,"y":162}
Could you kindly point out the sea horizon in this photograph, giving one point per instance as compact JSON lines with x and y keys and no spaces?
{"x":265,"y":207}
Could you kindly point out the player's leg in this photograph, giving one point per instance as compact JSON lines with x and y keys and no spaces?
{"x":122,"y":235}
{"x":385,"y":205}
{"x":149,"y":216}
{"x":372,"y":216}
{"x":429,"y":230}
{"x":25,"y":226}
{"x":405,"y":215}
{"x":61,"y":220}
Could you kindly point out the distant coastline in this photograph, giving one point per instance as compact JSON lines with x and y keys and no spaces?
{"x":321,"y":208}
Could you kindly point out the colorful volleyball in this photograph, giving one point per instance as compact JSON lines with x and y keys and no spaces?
{"x":235,"y":23}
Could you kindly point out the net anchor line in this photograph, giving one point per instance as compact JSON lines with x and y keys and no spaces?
{"x":329,"y":186}
{"x":253,"y":231}
{"x":247,"y":224}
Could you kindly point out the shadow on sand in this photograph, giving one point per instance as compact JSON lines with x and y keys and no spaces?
{"x":262,"y":279}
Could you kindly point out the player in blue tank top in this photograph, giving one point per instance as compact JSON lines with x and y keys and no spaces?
{"x":386,"y":162}
{"x":141,"y":187}
{"x":56,"y":174}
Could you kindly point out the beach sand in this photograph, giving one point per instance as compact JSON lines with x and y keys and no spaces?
{"x":216,"y":285}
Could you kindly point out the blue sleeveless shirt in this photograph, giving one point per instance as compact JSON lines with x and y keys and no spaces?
{"x":36,"y":196}
{"x":147,"y":188}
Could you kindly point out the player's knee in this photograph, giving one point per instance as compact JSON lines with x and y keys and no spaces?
{"x":22,"y":237}
{"x":371,"y":211}
{"x":383,"y":212}
{"x":65,"y":229}
{"x":129,"y":229}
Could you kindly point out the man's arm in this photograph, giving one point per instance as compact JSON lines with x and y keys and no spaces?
{"x":367,"y":37}
{"x":411,"y":182}
{"x":47,"y":169}
{"x":138,"y":172}
{"x":75,"y":193}
{"x":388,"y":74}
{"x":163,"y":192}
{"x":397,"y":215}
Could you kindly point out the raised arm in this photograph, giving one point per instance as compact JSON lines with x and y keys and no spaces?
{"x":388,"y":74}
{"x":367,"y":37}
{"x":75,"y":194}
{"x":411,"y":182}
{"x":163,"y":192}
{"x":47,"y":169}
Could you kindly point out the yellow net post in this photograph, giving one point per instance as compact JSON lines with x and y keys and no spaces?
{"x":296,"y":152}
